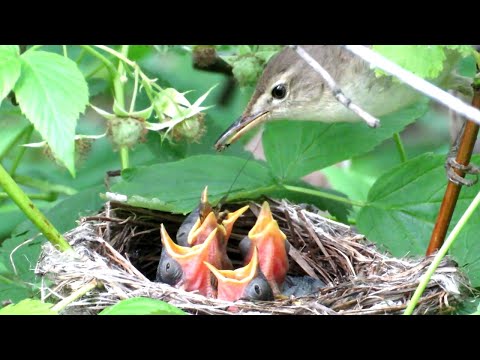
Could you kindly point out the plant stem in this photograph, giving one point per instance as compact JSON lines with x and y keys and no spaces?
{"x":35,"y":47}
{"x":452,"y":192}
{"x":13,"y":142}
{"x":6,"y":280}
{"x":118,"y":83}
{"x":400,"y":147}
{"x":65,"y":52}
{"x":124,"y":157}
{"x":94,"y":71}
{"x":74,"y":296}
{"x":134,"y":95}
{"x":476,"y":54}
{"x":146,"y":82}
{"x":21,"y":152}
{"x":31,"y":211}
{"x":441,"y":254}
{"x":50,"y":196}
{"x":80,"y":56}
{"x":43,"y":185}
{"x":119,"y":90}
{"x":103,"y":59}
{"x":324,"y":195}
{"x":120,"y":55}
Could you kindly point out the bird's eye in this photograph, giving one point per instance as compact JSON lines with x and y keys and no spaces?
{"x":257,"y":289}
{"x":279,"y":91}
{"x":167,"y":266}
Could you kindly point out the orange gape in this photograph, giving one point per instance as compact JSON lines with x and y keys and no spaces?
{"x":271,"y":243}
{"x":206,"y":241}
{"x":244,"y":283}
{"x":193,"y":275}
{"x":202,"y":228}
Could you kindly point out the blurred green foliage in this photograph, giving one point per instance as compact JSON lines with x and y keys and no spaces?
{"x":371,"y":156}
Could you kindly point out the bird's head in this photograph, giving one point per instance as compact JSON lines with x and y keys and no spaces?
{"x":288,"y":89}
{"x":184,"y":267}
{"x":246,"y":283}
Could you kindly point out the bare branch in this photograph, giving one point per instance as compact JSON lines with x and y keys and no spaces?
{"x":369,"y":119}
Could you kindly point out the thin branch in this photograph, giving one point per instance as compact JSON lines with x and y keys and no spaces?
{"x":452,"y":192}
{"x":119,"y":91}
{"x":441,"y":254}
{"x":74,"y":296}
{"x":31,"y":211}
{"x":337,"y":92}
{"x":416,"y":82}
{"x":21,"y":151}
{"x":400,"y":147}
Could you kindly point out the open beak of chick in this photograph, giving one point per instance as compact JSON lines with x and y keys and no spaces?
{"x":246,"y":283}
{"x":272,"y":246}
{"x":184,"y":267}
{"x":198,"y":225}
{"x":202,"y":221}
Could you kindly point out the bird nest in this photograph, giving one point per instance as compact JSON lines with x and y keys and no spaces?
{"x":119,"y":250}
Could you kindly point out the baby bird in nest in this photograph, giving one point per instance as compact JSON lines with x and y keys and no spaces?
{"x":202,"y":239}
{"x":198,"y":261}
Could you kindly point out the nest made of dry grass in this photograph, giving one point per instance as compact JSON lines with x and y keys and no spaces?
{"x":120,"y":248}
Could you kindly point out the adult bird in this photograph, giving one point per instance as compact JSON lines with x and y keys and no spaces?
{"x":291,"y":89}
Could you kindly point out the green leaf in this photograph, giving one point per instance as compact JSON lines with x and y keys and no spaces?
{"x":426,"y":61}
{"x":14,"y":289}
{"x":176,"y":186}
{"x":97,"y":86}
{"x":477,"y":312}
{"x":468,"y":306}
{"x":464,"y":50}
{"x":52,"y":93}
{"x":138,"y":52}
{"x":423,"y":60}
{"x":9,"y":68}
{"x":21,"y":282}
{"x":335,"y":208}
{"x":64,"y":214}
{"x":28,"y":307}
{"x":11,"y":217}
{"x":142,"y":306}
{"x":12,"y":125}
{"x":297,"y":148}
{"x":353,"y":184}
{"x":403,"y":206}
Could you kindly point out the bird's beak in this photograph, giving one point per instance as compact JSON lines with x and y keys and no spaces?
{"x":242,"y":125}
{"x":264,"y":218}
{"x":205,"y":207}
{"x":231,"y":218}
{"x":196,"y":276}
{"x":272,"y":247}
{"x":202,"y":229}
{"x":233,"y":283}
{"x":266,"y":234}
